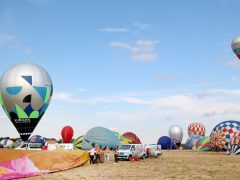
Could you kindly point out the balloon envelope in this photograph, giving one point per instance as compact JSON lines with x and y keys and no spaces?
{"x":235,"y":144}
{"x":132,"y":137}
{"x":67,"y":134}
{"x":25,"y":93}
{"x":236,"y":46}
{"x":166,"y":143}
{"x":6,"y":142}
{"x":100,"y":136}
{"x":176,"y":134}
{"x":196,"y":128}
{"x":122,"y":139}
{"x":191,"y":141}
{"x":222,"y":134}
{"x":37,"y":139}
{"x":202,"y":144}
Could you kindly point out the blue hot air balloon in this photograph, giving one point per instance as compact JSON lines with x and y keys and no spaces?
{"x":100,"y":136}
{"x":166,"y":143}
{"x":192,"y":140}
{"x":37,"y":139}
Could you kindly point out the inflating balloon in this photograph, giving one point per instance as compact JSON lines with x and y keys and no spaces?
{"x":67,"y":134}
{"x":78,"y":142}
{"x":235,"y":144}
{"x":236,"y":46}
{"x":191,"y":141}
{"x":176,"y":134}
{"x":202,"y":144}
{"x":25,"y":93}
{"x":132,"y":138}
{"x":166,"y":143}
{"x":196,"y":128}
{"x":222,"y":134}
{"x":100,"y":136}
{"x":122,"y":139}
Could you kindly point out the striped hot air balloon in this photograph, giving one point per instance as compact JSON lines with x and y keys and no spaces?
{"x":78,"y":142}
{"x":202,"y":144}
{"x":235,"y":144}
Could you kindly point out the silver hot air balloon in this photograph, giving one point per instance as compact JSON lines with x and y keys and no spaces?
{"x":25,"y":93}
{"x":176,"y":134}
{"x":236,"y":46}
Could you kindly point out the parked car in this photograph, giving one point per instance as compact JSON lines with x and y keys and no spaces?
{"x":153,"y":150}
{"x":129,"y":151}
{"x":30,"y":146}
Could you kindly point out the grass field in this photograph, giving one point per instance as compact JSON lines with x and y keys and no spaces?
{"x":178,"y":164}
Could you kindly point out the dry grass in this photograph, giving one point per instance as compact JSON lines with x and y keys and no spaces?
{"x":171,"y":165}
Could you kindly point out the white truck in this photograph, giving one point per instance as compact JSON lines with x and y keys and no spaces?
{"x":129,"y":151}
{"x":153,"y":150}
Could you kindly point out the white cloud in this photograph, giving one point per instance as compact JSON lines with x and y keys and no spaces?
{"x":235,"y":63}
{"x":142,"y":50}
{"x":10,"y":41}
{"x":70,"y":98}
{"x":64,"y":96}
{"x":133,"y":100}
{"x":152,"y":111}
{"x":134,"y":27}
{"x":8,"y":37}
{"x":141,"y":26}
{"x":112,"y":29}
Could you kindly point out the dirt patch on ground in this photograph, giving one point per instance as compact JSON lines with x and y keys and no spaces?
{"x":178,"y":164}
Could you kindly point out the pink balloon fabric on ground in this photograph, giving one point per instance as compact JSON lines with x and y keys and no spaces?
{"x":18,"y":168}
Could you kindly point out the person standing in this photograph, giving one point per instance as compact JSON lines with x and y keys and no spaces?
{"x":92,"y":153}
{"x":99,"y":151}
{"x":107,"y":151}
{"x":116,"y":154}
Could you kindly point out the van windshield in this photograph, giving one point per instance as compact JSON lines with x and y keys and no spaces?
{"x":125,"y":147}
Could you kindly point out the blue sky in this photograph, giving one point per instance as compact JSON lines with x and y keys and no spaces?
{"x":136,"y":66}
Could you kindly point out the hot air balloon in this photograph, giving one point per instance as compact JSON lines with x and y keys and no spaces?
{"x":176,"y":134}
{"x":222,"y":134}
{"x":121,"y":138}
{"x":67,"y":134}
{"x":235,"y":144}
{"x":202,"y":144}
{"x":100,"y":136}
{"x":196,"y":128}
{"x":78,"y":142}
{"x":166,"y":143}
{"x":6,"y":142}
{"x":25,"y":93}
{"x":236,"y":46}
{"x":37,"y":139}
{"x":132,"y":137}
{"x":191,"y":141}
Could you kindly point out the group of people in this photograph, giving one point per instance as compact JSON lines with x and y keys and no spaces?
{"x":97,"y":154}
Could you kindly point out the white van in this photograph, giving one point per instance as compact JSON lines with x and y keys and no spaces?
{"x":128,"y":151}
{"x":30,"y":146}
{"x":153,"y":150}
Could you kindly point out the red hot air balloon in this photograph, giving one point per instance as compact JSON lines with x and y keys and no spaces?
{"x":133,"y":137}
{"x":67,"y":134}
